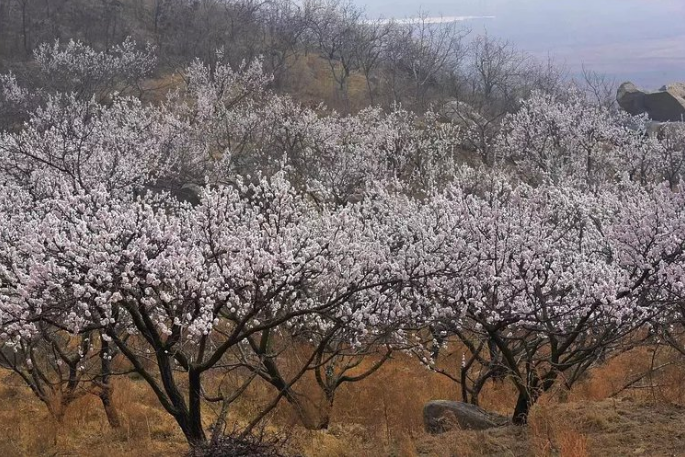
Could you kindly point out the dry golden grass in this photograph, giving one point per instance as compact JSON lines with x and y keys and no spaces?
{"x":312,"y":80}
{"x":381,"y":416}
{"x":28,"y":430}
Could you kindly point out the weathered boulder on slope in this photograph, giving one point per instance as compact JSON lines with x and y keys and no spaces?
{"x":631,"y":99}
{"x":665,"y":105}
{"x":440,"y":416}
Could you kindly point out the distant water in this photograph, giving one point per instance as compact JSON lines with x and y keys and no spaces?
{"x":638,"y":40}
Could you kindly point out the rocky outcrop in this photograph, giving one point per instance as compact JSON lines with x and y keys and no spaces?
{"x":631,"y":99}
{"x":665,"y":105}
{"x":440,"y":416}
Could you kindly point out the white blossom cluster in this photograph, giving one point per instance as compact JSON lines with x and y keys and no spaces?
{"x":572,"y":140}
{"x":310,"y":223}
{"x":78,"y":66}
{"x":337,"y":156}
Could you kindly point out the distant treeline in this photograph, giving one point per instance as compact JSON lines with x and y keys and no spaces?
{"x":365,"y":61}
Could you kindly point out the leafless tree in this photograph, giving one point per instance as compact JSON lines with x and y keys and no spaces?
{"x":336,"y":27}
{"x":600,"y":87}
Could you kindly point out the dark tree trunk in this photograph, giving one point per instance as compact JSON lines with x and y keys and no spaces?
{"x":325,"y":419}
{"x":194,"y":438}
{"x":110,"y":410}
{"x":158,"y":14}
{"x":189,"y":418}
{"x":24,"y":26}
{"x":106,"y":388}
{"x":522,"y":409}
{"x":195,"y":406}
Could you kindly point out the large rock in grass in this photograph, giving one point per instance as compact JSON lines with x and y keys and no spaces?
{"x":665,"y":105}
{"x":440,"y":416}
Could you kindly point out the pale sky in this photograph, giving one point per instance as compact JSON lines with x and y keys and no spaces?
{"x":641,"y":40}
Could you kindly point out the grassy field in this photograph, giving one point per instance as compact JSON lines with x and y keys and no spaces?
{"x":382,"y":416}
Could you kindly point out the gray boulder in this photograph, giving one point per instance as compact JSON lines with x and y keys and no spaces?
{"x":440,"y":416}
{"x":668,"y":104}
{"x":631,"y":99}
{"x":676,"y":88}
{"x":665,"y":105}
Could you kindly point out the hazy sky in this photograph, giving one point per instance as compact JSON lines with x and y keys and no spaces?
{"x":641,"y":40}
